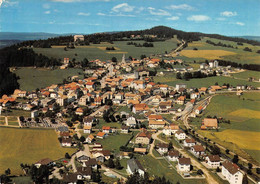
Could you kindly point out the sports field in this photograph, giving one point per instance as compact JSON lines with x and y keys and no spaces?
{"x":28,"y":146}
{"x":243,"y":133}
{"x":32,"y":78}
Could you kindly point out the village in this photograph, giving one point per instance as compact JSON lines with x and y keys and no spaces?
{"x":119,"y":99}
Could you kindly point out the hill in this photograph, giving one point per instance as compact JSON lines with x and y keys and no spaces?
{"x":256,"y":38}
{"x":25,"y":36}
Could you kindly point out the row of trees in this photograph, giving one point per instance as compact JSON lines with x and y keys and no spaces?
{"x":197,"y":74}
{"x":254,"y":67}
{"x":145,"y":44}
{"x":220,"y":44}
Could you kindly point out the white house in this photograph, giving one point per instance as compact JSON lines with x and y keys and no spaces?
{"x":180,"y":135}
{"x":170,"y":129}
{"x":131,"y":121}
{"x":88,"y":121}
{"x":213,"y":161}
{"x":199,"y":110}
{"x":179,"y":86}
{"x":231,"y":172}
{"x":198,"y":150}
{"x":87,"y":129}
{"x":34,"y":114}
{"x":162,"y":148}
{"x":173,"y":155}
{"x":189,"y":142}
{"x":184,"y":164}
{"x":133,"y":166}
{"x":66,"y":142}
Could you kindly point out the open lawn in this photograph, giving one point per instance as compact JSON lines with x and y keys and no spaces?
{"x":14,"y":112}
{"x":97,"y":51}
{"x":2,"y":120}
{"x":205,"y":82}
{"x":22,"y":180}
{"x":113,"y":142}
{"x":28,"y":146}
{"x":246,"y":74}
{"x":32,"y":78}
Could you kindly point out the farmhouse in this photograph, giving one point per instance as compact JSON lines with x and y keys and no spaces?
{"x":106,"y":129}
{"x":101,"y":135}
{"x":140,"y":108}
{"x":133,"y":166}
{"x":144,"y":137}
{"x":184,"y":164}
{"x":66,"y":142}
{"x":213,"y":161}
{"x":131,"y":121}
{"x":45,"y":161}
{"x":199,"y":110}
{"x":209,"y":123}
{"x":154,"y":124}
{"x":173,"y":155}
{"x":90,"y":138}
{"x":87,"y":129}
{"x":231,"y":172}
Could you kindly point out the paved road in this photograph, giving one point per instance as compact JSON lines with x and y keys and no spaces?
{"x":194,"y":162}
{"x":72,"y":163}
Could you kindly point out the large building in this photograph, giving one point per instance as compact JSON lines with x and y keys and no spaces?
{"x":78,"y":38}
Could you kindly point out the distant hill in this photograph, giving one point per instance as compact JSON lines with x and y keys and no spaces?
{"x":5,"y":43}
{"x":256,"y":38}
{"x":25,"y":36}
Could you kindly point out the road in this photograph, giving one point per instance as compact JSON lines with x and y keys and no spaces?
{"x":194,"y":162}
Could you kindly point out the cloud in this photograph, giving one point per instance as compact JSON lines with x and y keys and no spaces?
{"x":240,"y":23}
{"x":180,"y":7}
{"x":83,"y":14}
{"x":221,"y":18}
{"x":152,"y":19}
{"x":116,"y":15}
{"x":198,"y":18}
{"x":47,"y":12}
{"x":124,"y":7}
{"x":7,"y":3}
{"x":173,"y":18}
{"x":228,"y":14}
{"x":101,"y":14}
{"x":159,"y":12}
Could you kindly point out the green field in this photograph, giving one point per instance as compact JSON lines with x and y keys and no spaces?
{"x":246,"y":74}
{"x":96,"y":51}
{"x":240,"y":56}
{"x":14,"y":112}
{"x":113,"y":142}
{"x":244,"y":114}
{"x":171,"y":80}
{"x":31,"y":78}
{"x":28,"y":146}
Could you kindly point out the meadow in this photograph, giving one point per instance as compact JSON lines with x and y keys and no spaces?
{"x":97,"y":51}
{"x":244,"y":115}
{"x":246,"y":74}
{"x":32,"y":78}
{"x":28,"y":146}
{"x":207,"y":54}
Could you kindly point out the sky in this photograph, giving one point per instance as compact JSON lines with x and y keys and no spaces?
{"x":226,"y":17}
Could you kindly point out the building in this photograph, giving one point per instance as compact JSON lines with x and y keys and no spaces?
{"x":87,"y":129}
{"x":162,"y":148}
{"x":184,"y":164}
{"x":34,"y":114}
{"x":189,"y":142}
{"x":45,"y":161}
{"x":199,"y":110}
{"x":209,"y":123}
{"x":144,"y":137}
{"x":131,"y":121}
{"x":124,"y":129}
{"x":180,"y":135}
{"x":173,"y":155}
{"x":198,"y":150}
{"x":140,"y":108}
{"x":101,"y":135}
{"x":231,"y":172}
{"x":170,"y":129}
{"x":179,"y":86}
{"x":66,"y":142}
{"x":133,"y":166}
{"x":154,"y":124}
{"x":213,"y":161}
{"x":78,"y":38}
{"x":106,"y":129}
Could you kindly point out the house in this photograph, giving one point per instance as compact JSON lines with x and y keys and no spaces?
{"x":210,"y":123}
{"x":199,"y":110}
{"x":79,"y":111}
{"x":144,"y":137}
{"x":90,"y":138}
{"x":78,"y":38}
{"x":87,"y":129}
{"x":82,"y":157}
{"x":184,"y":164}
{"x":154,"y":124}
{"x":66,"y":142}
{"x":140,"y":108}
{"x":140,"y":150}
{"x":62,"y":129}
{"x":131,"y":121}
{"x":133,"y":166}
{"x":91,"y":163}
{"x":173,"y":155}
{"x":106,"y":129}
{"x":45,"y":161}
{"x":162,"y":148}
{"x":101,"y":135}
{"x":180,"y":135}
{"x":181,"y":100}
{"x":155,"y":117}
{"x":170,"y":129}
{"x":65,"y":134}
{"x":213,"y":161}
{"x":88,"y":121}
{"x":231,"y":172}
{"x":84,"y":173}
{"x":189,"y":142}
{"x":198,"y":150}
{"x":34,"y":114}
{"x":179,"y":86}
{"x":124,"y":129}
{"x":194,"y":95}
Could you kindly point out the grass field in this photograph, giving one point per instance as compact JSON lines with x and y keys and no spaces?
{"x":247,"y":74}
{"x":239,"y":55}
{"x":113,"y":142}
{"x":2,"y":120}
{"x":15,"y":112}
{"x":207,"y":54}
{"x":31,"y":78}
{"x":171,"y":80}
{"x":28,"y":146}
{"x":97,"y":51}
{"x":22,"y":180}
{"x":244,"y":114}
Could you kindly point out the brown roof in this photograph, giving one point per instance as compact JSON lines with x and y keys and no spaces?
{"x":84,"y":171}
{"x":144,"y":133}
{"x":210,"y":122}
{"x":214,"y":158}
{"x":91,"y":162}
{"x":198,"y":148}
{"x":140,"y":150}
{"x":140,"y":107}
{"x":44,"y":161}
{"x":154,"y":116}
{"x":174,"y":153}
{"x":162,"y":145}
{"x":190,"y":141}
{"x":66,"y":140}
{"x":231,"y":167}
{"x":184,"y":161}
{"x":154,"y":122}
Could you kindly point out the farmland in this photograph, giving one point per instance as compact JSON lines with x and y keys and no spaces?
{"x":246,"y":74}
{"x":31,"y":78}
{"x":243,"y":113}
{"x":207,"y":54}
{"x":28,"y":146}
{"x":97,"y":51}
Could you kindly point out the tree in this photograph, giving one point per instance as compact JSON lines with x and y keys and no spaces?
{"x":258,"y":170}
{"x":114,"y":59}
{"x":216,"y":150}
{"x":250,"y":166}
{"x":67,"y":156}
{"x":178,"y":75}
{"x":170,"y":146}
{"x":7,"y":171}
{"x":21,"y":118}
{"x":82,"y":139}
{"x":200,"y":172}
{"x":235,"y":159}
{"x":117,"y":164}
{"x":69,"y":123}
{"x":245,"y":180}
{"x":110,"y":163}
{"x":227,"y":151}
{"x":218,"y":169}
